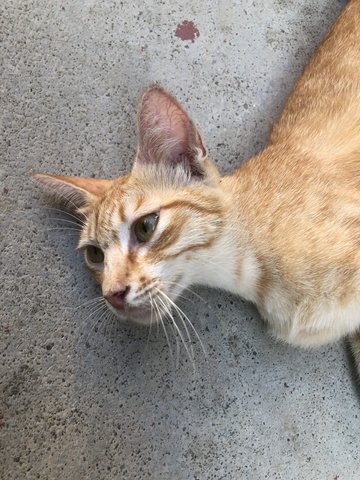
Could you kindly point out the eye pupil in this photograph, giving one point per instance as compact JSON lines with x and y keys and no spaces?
{"x":145,"y":227}
{"x":94,"y":254}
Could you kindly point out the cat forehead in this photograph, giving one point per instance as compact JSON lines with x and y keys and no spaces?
{"x":137,"y":193}
{"x":122,"y":203}
{"x":129,"y":198}
{"x":118,"y":208}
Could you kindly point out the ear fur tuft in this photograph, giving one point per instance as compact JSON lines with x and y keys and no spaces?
{"x":167,"y":134}
{"x":75,"y":192}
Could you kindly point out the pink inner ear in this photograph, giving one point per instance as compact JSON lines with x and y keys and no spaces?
{"x":166,"y":131}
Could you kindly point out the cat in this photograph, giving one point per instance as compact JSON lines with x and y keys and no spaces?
{"x":282,"y":231}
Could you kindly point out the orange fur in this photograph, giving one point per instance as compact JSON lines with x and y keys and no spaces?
{"x":282,"y":230}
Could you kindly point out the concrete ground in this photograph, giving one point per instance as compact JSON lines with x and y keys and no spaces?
{"x":81,"y":399}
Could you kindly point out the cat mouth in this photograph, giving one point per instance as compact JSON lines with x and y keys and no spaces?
{"x":142,"y":315}
{"x":147,"y":313}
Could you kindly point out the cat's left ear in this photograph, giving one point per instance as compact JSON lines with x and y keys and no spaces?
{"x":167,"y":134}
{"x":76,"y":192}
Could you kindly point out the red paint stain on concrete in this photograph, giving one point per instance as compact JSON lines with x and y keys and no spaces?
{"x":187,"y":31}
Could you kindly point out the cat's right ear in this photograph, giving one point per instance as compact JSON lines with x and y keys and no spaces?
{"x":75,"y":192}
{"x":168,"y":136}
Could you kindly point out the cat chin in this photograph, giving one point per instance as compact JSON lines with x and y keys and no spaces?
{"x":140,"y":316}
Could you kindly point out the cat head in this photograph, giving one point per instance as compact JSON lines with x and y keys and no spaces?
{"x":146,"y":235}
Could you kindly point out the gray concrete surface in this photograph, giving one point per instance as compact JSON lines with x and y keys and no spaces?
{"x":80,"y":401}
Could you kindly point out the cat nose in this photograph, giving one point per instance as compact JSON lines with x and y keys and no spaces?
{"x":116,"y":298}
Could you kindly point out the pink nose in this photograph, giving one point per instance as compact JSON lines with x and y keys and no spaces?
{"x":117,"y":297}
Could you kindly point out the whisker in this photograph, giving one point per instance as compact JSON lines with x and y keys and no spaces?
{"x":96,"y":320}
{"x":77,"y":224}
{"x":192,"y":293}
{"x":67,"y":231}
{"x":151,"y":318}
{"x":110,"y":319}
{"x":184,"y":297}
{"x":95,"y":309}
{"x":164,"y":328}
{"x":181,"y":319}
{"x":182,"y":314}
{"x":157,"y":311}
{"x":89,"y":302}
{"x":188,"y":289}
{"x":177,"y":329}
{"x":68,"y":213}
{"x":102,"y":320}
{"x":145,"y":291}
{"x":98,"y":323}
{"x":177,"y":352}
{"x":67,"y":199}
{"x":105,"y":323}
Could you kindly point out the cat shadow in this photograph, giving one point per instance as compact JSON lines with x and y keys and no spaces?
{"x":353,"y":373}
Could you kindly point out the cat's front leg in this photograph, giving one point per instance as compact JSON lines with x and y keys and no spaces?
{"x":319,"y":323}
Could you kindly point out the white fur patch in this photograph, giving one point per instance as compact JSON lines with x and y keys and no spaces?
{"x":249,"y":278}
{"x":328,"y":322}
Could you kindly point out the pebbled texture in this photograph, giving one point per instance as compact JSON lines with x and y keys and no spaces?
{"x":80,"y":400}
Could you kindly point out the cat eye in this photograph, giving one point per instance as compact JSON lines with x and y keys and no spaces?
{"x":145,"y":227}
{"x":94,"y":254}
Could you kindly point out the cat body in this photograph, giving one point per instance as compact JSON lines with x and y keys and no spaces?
{"x":303,"y":209}
{"x":282,"y":231}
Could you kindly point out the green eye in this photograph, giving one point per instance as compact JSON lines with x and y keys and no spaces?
{"x":145,"y":227}
{"x":94,"y":254}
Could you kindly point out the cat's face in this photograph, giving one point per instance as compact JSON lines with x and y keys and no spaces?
{"x":145,"y":234}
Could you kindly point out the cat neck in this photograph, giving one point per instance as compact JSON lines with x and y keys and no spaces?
{"x":230,"y":262}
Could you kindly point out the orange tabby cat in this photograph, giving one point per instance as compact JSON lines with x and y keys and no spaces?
{"x":282,"y":231}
